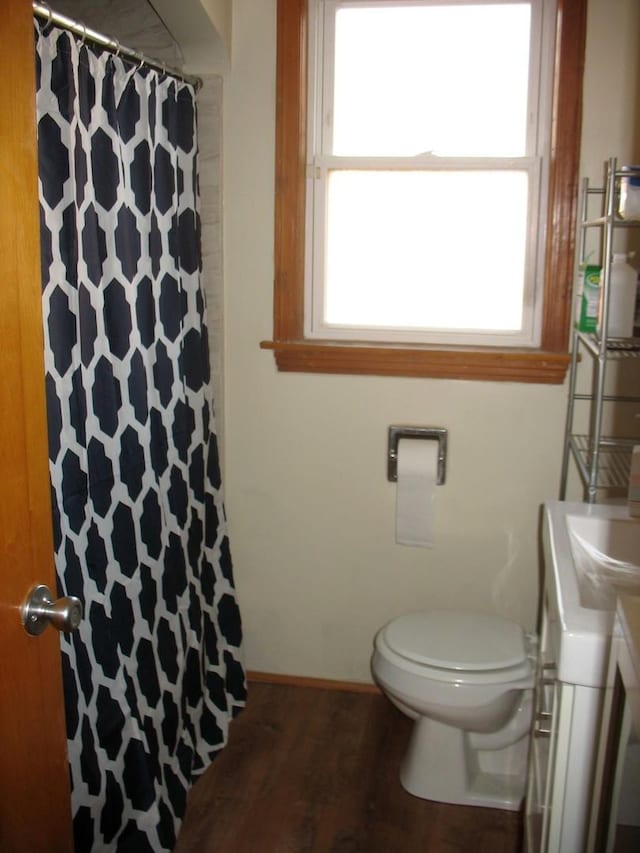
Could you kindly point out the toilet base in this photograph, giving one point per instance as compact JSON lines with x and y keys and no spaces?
{"x":441,"y":765}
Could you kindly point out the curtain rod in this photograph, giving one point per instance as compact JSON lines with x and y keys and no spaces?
{"x":43,"y":10}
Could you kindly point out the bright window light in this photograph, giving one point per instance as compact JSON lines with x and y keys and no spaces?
{"x":427,"y":250}
{"x":448,"y":80}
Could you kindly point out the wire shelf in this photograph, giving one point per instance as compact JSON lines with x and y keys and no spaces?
{"x":615,"y":347}
{"x":614,"y":460}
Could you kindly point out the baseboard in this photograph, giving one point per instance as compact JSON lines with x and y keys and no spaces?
{"x":305,"y":681}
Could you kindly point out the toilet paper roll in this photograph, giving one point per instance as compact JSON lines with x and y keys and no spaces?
{"x":416,"y":492}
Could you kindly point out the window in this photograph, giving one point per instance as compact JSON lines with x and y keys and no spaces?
{"x":423,"y":166}
{"x":324,"y":327}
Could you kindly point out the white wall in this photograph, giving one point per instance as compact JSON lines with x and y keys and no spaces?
{"x":311,"y":514}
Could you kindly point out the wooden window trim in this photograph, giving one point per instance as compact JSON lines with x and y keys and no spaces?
{"x":546,"y":364}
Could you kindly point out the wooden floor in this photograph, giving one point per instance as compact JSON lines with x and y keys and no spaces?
{"x":310,"y":769}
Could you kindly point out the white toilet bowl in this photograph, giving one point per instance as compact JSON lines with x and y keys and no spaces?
{"x":466,"y":679}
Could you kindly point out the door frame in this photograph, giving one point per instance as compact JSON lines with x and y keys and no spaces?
{"x":35,"y":806}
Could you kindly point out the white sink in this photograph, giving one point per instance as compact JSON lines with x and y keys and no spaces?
{"x":591,"y":551}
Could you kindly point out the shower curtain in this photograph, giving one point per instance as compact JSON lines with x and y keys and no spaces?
{"x":153,"y":675}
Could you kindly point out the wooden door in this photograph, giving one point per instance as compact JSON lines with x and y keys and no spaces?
{"x":34,"y":784}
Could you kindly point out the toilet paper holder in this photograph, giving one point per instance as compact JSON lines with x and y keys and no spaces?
{"x":438,"y":434}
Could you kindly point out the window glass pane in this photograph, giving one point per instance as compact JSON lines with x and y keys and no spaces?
{"x":450,"y":80}
{"x":434,"y":250}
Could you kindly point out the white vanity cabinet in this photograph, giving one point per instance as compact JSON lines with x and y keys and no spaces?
{"x":615,"y":812}
{"x":574,"y":650}
{"x":562,"y":754}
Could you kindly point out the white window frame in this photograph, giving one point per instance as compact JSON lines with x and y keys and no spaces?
{"x":535,"y":163}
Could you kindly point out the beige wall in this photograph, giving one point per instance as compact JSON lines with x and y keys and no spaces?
{"x":611,"y":123}
{"x":311,"y":514}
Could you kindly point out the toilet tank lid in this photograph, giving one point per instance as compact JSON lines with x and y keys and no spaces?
{"x":457,"y":639}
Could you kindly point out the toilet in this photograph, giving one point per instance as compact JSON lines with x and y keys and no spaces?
{"x":466,"y":679}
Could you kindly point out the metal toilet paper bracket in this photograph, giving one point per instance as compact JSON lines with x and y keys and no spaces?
{"x":438,"y":434}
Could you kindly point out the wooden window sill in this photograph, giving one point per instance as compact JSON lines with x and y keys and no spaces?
{"x":498,"y":365}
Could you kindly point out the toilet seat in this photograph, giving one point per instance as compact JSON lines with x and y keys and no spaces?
{"x":458,"y":641}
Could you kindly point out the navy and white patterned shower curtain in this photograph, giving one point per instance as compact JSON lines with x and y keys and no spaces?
{"x":153,"y":675}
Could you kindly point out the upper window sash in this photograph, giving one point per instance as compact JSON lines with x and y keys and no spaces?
{"x":322,"y":17}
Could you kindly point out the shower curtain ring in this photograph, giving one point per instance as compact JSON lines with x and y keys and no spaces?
{"x":49,"y":20}
{"x":117,"y":48}
{"x":84,"y":34}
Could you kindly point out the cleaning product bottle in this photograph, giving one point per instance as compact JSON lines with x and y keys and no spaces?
{"x":623,"y":287}
{"x":588,"y":297}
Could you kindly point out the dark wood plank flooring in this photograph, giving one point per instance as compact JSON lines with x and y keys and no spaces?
{"x":309,"y":769}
